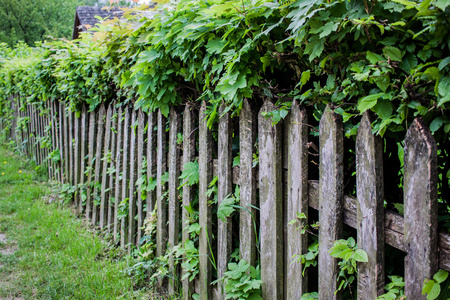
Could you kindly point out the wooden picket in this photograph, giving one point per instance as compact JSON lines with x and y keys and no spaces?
{"x":125,"y":174}
{"x":271,"y":205}
{"x":189,"y":144}
{"x":205,"y":170}
{"x":331,"y":197}
{"x":132,"y":179}
{"x":102,"y":154}
{"x":161,"y":167}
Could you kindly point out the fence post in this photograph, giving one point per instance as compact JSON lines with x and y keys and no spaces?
{"x":161,"y":167}
{"x":125,"y":176}
{"x":77,"y":157}
{"x":331,"y":197}
{"x":91,"y":148}
{"x":70,"y":119}
{"x":420,"y":200}
{"x":174,"y":202}
{"x":118,"y":163}
{"x":224,"y":188}
{"x":151,"y":161}
{"x":132,"y":184}
{"x":84,"y":134}
{"x":104,"y":194}
{"x":66,"y":144}
{"x":271,"y":205}
{"x":248,"y":180}
{"x":370,"y":210}
{"x":98,"y":163}
{"x":205,"y":172}
{"x":297,"y":199}
{"x":188,"y":193}
{"x":112,"y":165}
{"x":140,"y":160}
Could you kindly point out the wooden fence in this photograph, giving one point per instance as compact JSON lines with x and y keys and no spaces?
{"x":107,"y":149}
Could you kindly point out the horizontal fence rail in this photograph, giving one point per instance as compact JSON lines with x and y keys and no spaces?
{"x":109,"y":155}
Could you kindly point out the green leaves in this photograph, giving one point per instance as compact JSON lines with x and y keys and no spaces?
{"x":240,"y":284}
{"x":432,"y":287}
{"x":392,"y":53}
{"x":190,"y":173}
{"x":368,"y":102}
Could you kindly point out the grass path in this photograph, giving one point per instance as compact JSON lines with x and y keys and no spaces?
{"x":46,"y":252}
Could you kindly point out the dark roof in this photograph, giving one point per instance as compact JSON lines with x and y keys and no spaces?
{"x":85,"y":15}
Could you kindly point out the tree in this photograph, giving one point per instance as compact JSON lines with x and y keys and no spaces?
{"x":32,"y":20}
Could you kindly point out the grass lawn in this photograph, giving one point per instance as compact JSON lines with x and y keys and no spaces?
{"x":46,"y":252}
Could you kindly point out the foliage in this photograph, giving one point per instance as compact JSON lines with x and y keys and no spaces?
{"x":432,"y":287}
{"x":349,"y":254}
{"x":309,"y":258}
{"x":33,"y":20}
{"x":395,"y":289}
{"x":242,"y":281}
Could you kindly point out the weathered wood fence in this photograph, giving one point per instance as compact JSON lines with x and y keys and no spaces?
{"x":106,"y":149}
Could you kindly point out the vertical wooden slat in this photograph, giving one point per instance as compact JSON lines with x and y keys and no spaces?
{"x":248,"y":180}
{"x":104,"y":194}
{"x":370,"y":210}
{"x":151,"y":161}
{"x":188,"y":193}
{"x":90,"y":164}
{"x":84,"y":134}
{"x":61,"y":138}
{"x":118,"y":175}
{"x":98,"y":163}
{"x":70,"y":118}
{"x":161,"y":167}
{"x":174,"y":201}
{"x":420,"y":200}
{"x":331,"y":197}
{"x":271,"y":205}
{"x":66,"y":144}
{"x":132,"y":186}
{"x":112,"y":165}
{"x":205,"y":220}
{"x":76,"y":156}
{"x":125,"y":174}
{"x":225,"y":186}
{"x":297,"y":199}
{"x":140,"y":158}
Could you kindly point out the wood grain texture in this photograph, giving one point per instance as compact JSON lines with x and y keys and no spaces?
{"x":151,"y":161}
{"x":90,"y":164}
{"x":189,"y":143}
{"x":370,"y":209}
{"x":161,"y":168}
{"x":248,"y":183}
{"x":205,"y":172}
{"x":84,"y":135}
{"x":224,"y":189}
{"x":331,"y":198}
{"x":104,"y":175}
{"x":297,"y":199}
{"x":141,"y":149}
{"x":132,"y":197}
{"x":271,"y":205}
{"x":70,"y":121}
{"x":98,"y":164}
{"x":174,"y":201}
{"x":118,"y":173}
{"x":125,"y":173}
{"x":420,"y":200}
{"x":112,"y":165}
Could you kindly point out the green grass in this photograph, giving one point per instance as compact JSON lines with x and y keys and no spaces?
{"x":58,"y":256}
